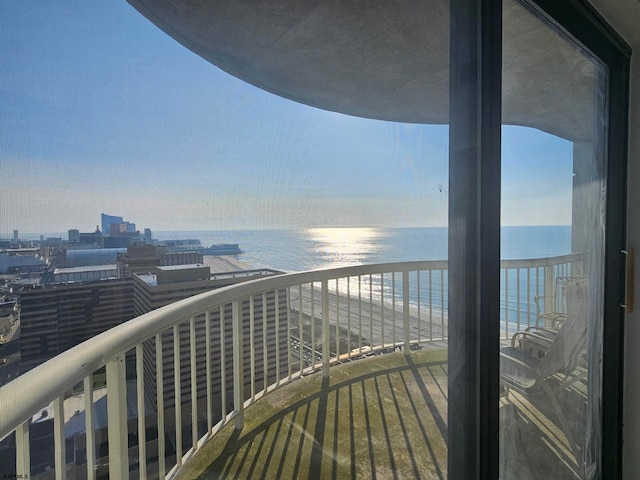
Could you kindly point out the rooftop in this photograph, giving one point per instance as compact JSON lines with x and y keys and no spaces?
{"x":87,"y":268}
{"x":171,"y":268}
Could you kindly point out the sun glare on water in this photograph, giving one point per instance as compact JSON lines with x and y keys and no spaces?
{"x":340,"y":247}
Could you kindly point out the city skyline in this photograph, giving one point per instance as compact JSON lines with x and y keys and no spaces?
{"x":102,"y":112}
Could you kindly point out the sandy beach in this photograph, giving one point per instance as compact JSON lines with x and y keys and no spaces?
{"x":376,"y":322}
{"x":370,"y":320}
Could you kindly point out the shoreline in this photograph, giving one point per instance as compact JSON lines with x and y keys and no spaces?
{"x":376,"y":320}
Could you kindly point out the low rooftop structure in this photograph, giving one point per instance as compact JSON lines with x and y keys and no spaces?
{"x":85,"y":273}
{"x":174,"y":274}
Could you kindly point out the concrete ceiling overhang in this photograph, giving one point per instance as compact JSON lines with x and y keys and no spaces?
{"x":380,"y":59}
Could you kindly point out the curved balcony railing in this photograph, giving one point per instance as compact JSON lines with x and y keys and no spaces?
{"x":173,"y":377}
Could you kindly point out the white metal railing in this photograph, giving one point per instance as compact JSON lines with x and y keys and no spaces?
{"x":195,"y":365}
{"x":525,"y":281}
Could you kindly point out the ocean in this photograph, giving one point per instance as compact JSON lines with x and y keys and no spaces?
{"x":320,"y":248}
{"x":313,"y":248}
{"x":296,"y":250}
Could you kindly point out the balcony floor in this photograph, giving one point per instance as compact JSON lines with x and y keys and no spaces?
{"x":381,"y":417}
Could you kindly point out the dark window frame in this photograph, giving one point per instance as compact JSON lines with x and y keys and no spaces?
{"x":474,"y":227}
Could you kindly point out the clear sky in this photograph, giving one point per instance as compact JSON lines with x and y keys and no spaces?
{"x":100,"y":111}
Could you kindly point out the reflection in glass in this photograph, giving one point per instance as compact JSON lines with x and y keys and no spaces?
{"x":551,"y":315}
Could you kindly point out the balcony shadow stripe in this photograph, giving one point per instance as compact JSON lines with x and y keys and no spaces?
{"x":286,"y":445}
{"x":435,"y":413}
{"x":367,"y":422}
{"x":317,"y":451}
{"x":352,"y":433}
{"x":231,"y":461}
{"x":234,"y":443}
{"x":419,"y":422}
{"x":439,"y":383}
{"x":229,"y":450}
{"x":272,"y":448}
{"x":248,"y":447}
{"x":256,"y":457}
{"x":405,"y":434}
{"x":385,"y":429}
{"x":334,"y":462}
{"x":524,"y":444}
{"x":540,"y":417}
{"x":296,"y":468}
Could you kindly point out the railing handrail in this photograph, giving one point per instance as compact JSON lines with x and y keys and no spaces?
{"x":541,"y":262}
{"x":22,"y":397}
{"x":19,"y":400}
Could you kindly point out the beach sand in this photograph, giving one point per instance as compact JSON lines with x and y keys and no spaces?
{"x":380,"y":324}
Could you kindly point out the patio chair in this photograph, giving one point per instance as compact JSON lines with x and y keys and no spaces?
{"x":529,"y":373}
{"x":551,"y":310}
{"x":534,"y":340}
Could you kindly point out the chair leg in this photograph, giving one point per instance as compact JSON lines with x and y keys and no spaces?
{"x":575,"y":448}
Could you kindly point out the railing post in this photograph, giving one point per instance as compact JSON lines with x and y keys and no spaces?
{"x":142,"y":435}
{"x":238,"y":367}
{"x":289,"y":368}
{"x":117,"y":418}
{"x":326,"y":345}
{"x":177,"y":389}
{"x":23,"y":456}
{"x":160,"y":405}
{"x":223,"y":362}
{"x":59,"y":440}
{"x":252,"y":350}
{"x":405,"y":312}
{"x":194,"y":385}
{"x":549,"y":288}
{"x":207,"y":320}
{"x":89,"y":428}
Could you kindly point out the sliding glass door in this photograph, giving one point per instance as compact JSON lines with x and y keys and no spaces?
{"x":553,"y":213}
{"x":536,"y":230}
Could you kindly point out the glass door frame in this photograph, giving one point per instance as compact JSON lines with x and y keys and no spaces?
{"x":474,"y":227}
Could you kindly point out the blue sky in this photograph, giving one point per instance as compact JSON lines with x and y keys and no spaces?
{"x":102,"y":112}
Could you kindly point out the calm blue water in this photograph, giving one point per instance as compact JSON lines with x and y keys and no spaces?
{"x":308,"y":249}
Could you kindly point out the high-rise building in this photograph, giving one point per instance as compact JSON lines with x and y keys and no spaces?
{"x":139,"y":258}
{"x":169,"y":284}
{"x":57,"y":317}
{"x":144,"y":259}
{"x":115,"y":229}
{"x":107,"y":220}
{"x":180,"y":258}
{"x":9,"y":340}
{"x":74,"y":235}
{"x":93,"y":238}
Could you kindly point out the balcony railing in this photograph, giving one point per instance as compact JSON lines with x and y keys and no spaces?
{"x":195,"y":365}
